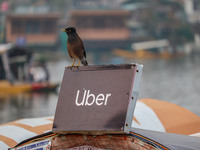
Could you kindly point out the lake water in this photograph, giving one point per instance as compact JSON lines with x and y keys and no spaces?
{"x":174,"y":80}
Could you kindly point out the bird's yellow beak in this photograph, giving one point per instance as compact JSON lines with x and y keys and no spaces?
{"x":63,"y":29}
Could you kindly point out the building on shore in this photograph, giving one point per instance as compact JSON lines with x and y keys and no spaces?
{"x":36,"y":29}
{"x":105,"y":29}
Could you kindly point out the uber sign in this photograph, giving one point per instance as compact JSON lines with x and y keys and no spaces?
{"x":97,"y":99}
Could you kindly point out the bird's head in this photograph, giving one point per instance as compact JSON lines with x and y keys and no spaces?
{"x":69,"y":30}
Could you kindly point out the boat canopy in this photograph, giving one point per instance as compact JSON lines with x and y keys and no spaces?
{"x":14,"y":62}
{"x":152,"y":113}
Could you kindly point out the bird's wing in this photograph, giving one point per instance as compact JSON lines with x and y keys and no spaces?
{"x":84,"y":53}
{"x":82,"y":46}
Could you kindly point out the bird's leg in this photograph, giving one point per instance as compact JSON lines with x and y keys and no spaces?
{"x":72,"y":64}
{"x":78,"y":63}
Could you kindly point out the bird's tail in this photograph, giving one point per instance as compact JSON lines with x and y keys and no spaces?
{"x":84,"y":61}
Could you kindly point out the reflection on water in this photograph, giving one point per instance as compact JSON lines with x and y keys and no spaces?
{"x":14,"y":107}
{"x":176,"y":81}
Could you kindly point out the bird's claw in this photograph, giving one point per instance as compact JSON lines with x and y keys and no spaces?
{"x":71,"y":67}
{"x":76,"y":67}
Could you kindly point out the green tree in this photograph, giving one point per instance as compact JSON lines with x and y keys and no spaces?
{"x":166,"y":19}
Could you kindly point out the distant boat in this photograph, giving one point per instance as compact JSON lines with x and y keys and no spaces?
{"x":19,"y":74}
{"x":144,"y":54}
{"x":147,"y":50}
{"x":7,"y":88}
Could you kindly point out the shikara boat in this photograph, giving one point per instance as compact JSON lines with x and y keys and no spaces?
{"x":9,"y":88}
{"x":18,"y":72}
{"x":158,"y":129}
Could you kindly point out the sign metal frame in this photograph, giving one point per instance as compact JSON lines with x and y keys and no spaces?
{"x":114,"y":115}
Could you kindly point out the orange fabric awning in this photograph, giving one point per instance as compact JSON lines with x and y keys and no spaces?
{"x":149,"y":114}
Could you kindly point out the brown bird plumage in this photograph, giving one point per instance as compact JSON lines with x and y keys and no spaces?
{"x":75,"y":47}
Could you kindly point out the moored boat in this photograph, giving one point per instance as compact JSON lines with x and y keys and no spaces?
{"x":20,"y":87}
{"x":19,"y":73}
{"x":178,"y":133}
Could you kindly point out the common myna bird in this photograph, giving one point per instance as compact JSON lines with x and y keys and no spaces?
{"x":75,"y":47}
